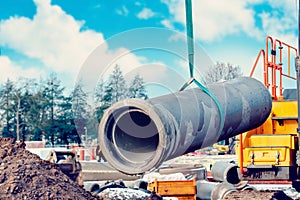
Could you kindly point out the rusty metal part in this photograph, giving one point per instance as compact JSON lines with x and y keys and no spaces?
{"x":138,"y":135}
{"x":68,"y":163}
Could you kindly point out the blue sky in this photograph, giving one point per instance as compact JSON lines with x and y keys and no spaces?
{"x":39,"y":37}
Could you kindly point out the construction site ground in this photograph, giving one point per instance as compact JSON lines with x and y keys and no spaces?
{"x":95,"y":172}
{"x":24,"y":175}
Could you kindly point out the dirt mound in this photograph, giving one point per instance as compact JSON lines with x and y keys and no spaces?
{"x":24,"y":175}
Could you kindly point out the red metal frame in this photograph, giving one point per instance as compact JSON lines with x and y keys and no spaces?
{"x":274,"y":65}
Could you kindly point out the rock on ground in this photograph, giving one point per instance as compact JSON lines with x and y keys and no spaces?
{"x":122,"y":193}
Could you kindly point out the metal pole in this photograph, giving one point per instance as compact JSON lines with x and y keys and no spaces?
{"x":18,"y":120}
{"x":85,"y":134}
{"x":298,"y":26}
{"x":297,"y":66}
{"x":17,"y":117}
{"x":297,"y":63}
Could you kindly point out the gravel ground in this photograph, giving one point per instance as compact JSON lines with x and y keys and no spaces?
{"x":251,"y":195}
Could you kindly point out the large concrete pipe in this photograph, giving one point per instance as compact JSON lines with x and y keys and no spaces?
{"x":138,"y":135}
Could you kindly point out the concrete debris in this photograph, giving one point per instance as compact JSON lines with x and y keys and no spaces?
{"x":163,"y":177}
{"x":122,"y":193}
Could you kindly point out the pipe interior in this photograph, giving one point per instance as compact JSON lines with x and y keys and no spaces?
{"x":134,"y":135}
{"x":233,"y":176}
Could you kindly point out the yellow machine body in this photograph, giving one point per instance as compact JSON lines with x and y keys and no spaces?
{"x":269,"y":152}
{"x":274,"y":142}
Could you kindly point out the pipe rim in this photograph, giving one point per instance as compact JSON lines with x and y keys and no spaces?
{"x":121,"y":162}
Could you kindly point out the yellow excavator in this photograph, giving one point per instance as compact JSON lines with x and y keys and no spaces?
{"x":270,"y":152}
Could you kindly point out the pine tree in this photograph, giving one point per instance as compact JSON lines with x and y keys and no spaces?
{"x":52,"y":98}
{"x":36,"y":112}
{"x":26,"y":108}
{"x":66,"y":124}
{"x":222,"y":71}
{"x":80,"y":108}
{"x":99,"y":93}
{"x":115,"y":90}
{"x":6,"y":106}
{"x":137,"y":88}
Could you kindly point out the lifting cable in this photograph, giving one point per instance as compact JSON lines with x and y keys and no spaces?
{"x":190,"y":43}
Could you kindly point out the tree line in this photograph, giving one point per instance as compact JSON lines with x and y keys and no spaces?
{"x":31,"y":109}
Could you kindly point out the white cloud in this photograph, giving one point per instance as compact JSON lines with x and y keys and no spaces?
{"x":153,"y":72}
{"x":176,"y":9}
{"x":281,"y":21}
{"x":167,"y":23}
{"x":159,"y":79}
{"x":146,"y":13}
{"x":176,"y":37}
{"x":124,"y":58}
{"x":213,"y":20}
{"x":288,"y":7}
{"x":216,"y":19}
{"x":56,"y":40}
{"x":51,"y":36}
{"x":123,"y":11}
{"x":11,"y":70}
{"x":279,"y":27}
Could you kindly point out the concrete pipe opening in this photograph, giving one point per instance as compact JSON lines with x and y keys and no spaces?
{"x":135,"y":135}
{"x":132,"y":137}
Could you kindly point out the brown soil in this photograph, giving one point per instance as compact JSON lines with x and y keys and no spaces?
{"x":24,"y":175}
{"x":252,"y":194}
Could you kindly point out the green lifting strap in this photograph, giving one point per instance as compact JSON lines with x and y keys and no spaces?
{"x":190,"y":43}
{"x":190,"y":35}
